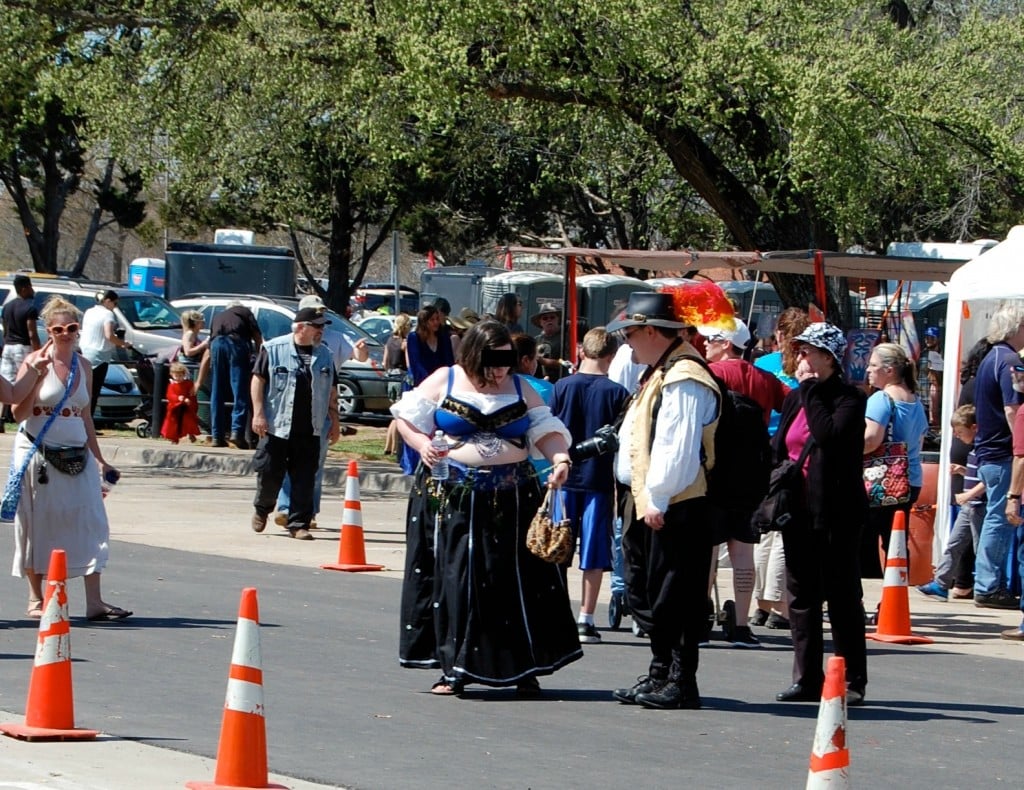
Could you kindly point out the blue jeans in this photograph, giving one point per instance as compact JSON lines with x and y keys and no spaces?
{"x":284,"y":495}
{"x":996,"y":532}
{"x":617,"y":578}
{"x":231,"y":372}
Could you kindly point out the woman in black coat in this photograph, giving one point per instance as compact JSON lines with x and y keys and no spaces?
{"x":822,"y":541}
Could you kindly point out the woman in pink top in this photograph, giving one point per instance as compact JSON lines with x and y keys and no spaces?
{"x":822,"y":540}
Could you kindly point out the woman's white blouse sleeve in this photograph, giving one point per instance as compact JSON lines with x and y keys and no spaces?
{"x":543,"y":422}
{"x":416,"y":410}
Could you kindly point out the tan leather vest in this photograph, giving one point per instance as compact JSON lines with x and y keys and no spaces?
{"x":677,"y":368}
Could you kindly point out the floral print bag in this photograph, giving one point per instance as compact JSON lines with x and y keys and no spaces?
{"x":887,"y":470}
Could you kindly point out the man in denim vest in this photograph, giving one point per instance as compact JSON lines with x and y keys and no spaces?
{"x":293,"y":398}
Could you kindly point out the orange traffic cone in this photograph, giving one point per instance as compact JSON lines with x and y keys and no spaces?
{"x":894,"y":612}
{"x":242,"y":753}
{"x":351,"y":548}
{"x":830,"y":757}
{"x":50,"y":710}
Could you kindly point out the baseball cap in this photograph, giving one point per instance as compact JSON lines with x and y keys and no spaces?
{"x":309,"y":315}
{"x":740,"y":336}
{"x":313,"y":301}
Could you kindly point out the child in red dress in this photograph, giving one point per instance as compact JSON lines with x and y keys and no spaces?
{"x":182,"y":417}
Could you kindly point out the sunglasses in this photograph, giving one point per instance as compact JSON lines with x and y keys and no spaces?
{"x":60,"y":329}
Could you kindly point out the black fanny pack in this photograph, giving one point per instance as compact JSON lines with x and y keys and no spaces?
{"x":67,"y":459}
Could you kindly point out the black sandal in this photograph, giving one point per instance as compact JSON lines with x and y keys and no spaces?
{"x":447,"y":688}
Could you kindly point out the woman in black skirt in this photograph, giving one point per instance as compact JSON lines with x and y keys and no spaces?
{"x":475,"y":601}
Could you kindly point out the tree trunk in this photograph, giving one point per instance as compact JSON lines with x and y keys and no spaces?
{"x":339,"y":254}
{"x":94,"y":224}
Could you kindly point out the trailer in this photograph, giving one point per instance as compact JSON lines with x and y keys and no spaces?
{"x":462,"y":286}
{"x":193,"y":268}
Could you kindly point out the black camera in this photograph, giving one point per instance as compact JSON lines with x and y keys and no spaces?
{"x":604,"y":440}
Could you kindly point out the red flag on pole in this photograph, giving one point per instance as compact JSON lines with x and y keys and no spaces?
{"x":431,"y":263}
{"x":508,"y":260}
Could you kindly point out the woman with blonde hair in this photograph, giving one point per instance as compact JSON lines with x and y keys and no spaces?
{"x":396,"y":366}
{"x":192,"y":347}
{"x":61,"y":504}
{"x":891,"y":373}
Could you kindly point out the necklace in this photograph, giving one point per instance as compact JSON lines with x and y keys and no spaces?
{"x":488,"y":444}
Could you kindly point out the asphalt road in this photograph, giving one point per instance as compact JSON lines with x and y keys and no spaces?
{"x":340,"y":712}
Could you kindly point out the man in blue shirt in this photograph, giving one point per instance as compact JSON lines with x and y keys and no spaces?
{"x":996,"y":402}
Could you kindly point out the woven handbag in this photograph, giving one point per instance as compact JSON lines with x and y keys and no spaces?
{"x":887,"y":469}
{"x":549,"y":539}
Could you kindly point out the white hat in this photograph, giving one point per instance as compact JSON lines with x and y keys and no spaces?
{"x":739,"y":337}
{"x":312,"y":301}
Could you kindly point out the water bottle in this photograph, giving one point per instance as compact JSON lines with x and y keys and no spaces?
{"x":440,"y":469}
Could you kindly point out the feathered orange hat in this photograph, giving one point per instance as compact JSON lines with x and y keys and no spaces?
{"x":701,"y":304}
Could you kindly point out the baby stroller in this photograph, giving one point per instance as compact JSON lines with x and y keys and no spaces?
{"x":144,"y":411}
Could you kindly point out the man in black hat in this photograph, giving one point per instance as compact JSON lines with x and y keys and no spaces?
{"x":293,"y":399}
{"x":667,"y":539}
{"x":20,"y":334}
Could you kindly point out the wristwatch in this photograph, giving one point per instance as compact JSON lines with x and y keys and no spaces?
{"x":1013,"y":496}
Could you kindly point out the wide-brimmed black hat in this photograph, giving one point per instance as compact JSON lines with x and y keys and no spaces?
{"x":646,"y":308}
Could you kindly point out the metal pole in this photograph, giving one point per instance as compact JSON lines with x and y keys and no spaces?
{"x":394,"y":271}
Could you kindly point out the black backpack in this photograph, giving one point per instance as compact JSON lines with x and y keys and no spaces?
{"x":743,"y":458}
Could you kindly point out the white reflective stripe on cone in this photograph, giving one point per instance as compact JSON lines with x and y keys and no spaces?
{"x":53,"y":649}
{"x":895,"y":576}
{"x":246,"y":651}
{"x":244,"y":697}
{"x":352,"y":516}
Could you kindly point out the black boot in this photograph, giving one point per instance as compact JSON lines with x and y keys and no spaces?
{"x":671,"y":695}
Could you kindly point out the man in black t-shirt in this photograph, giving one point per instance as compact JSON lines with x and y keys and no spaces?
{"x":20,"y":333}
{"x":295,"y":404}
{"x":235,"y":337}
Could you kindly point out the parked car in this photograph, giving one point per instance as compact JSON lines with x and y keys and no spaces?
{"x":362,"y":386}
{"x":145,"y":320}
{"x":379,"y":327}
{"x":371,"y":297}
{"x":120,"y":397}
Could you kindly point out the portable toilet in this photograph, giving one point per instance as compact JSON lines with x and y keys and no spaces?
{"x":147,"y":274}
{"x":756,"y":303}
{"x":603,"y":296}
{"x":533,"y":288}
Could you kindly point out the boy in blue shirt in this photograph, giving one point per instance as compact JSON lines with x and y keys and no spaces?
{"x":586,"y":401}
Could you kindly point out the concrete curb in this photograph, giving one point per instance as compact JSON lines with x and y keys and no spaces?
{"x":378,"y":477}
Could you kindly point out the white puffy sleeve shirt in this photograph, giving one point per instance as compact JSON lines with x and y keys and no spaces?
{"x":686,"y":407}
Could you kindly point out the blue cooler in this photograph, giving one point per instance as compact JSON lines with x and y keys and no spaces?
{"x":147,"y":274}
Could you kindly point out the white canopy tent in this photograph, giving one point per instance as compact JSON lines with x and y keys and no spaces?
{"x":976,"y":290}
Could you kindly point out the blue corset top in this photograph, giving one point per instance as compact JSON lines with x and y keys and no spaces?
{"x":460,"y":419}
